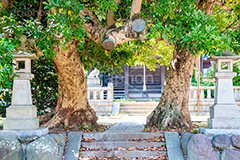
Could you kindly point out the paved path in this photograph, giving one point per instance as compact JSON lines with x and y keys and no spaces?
{"x":126,"y":127}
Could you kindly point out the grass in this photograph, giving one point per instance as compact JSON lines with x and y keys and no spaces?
{"x":201,"y":125}
{"x":1,"y":121}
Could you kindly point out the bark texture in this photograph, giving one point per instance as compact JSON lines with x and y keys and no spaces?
{"x":72,"y":107}
{"x":99,"y":33}
{"x":136,"y":7}
{"x":172,"y":109}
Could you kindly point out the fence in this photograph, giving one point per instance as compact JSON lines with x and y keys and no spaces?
{"x":103,"y":105}
{"x":206,"y":100}
{"x":101,"y":99}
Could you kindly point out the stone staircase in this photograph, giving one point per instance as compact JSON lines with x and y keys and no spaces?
{"x":137,"y":108}
{"x":124,"y":145}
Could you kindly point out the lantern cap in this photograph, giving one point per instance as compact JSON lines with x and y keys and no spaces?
{"x":23,"y":54}
{"x":225,"y":54}
{"x":215,"y":58}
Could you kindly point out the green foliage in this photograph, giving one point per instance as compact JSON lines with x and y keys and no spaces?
{"x":236,"y":80}
{"x":106,"y":61}
{"x":187,"y":27}
{"x":203,"y":82}
{"x":6,"y":74}
{"x":100,"y":8}
{"x":6,"y":66}
{"x":180,"y":22}
{"x":44,"y":85}
{"x":209,"y":81}
{"x":149,"y":53}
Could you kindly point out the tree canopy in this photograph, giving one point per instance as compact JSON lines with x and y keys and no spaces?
{"x":58,"y":27}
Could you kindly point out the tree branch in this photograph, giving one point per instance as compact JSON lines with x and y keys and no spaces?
{"x":223,"y":6}
{"x":40,"y":11}
{"x":110,"y":15}
{"x":134,"y":29}
{"x":5,"y":4}
{"x":230,"y":26}
{"x":136,"y":7}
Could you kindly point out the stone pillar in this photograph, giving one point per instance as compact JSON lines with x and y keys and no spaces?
{"x":110,"y":92}
{"x":163,"y":76}
{"x":224,"y":114}
{"x":126,"y":79}
{"x":144,"y":78}
{"x":22,"y":115}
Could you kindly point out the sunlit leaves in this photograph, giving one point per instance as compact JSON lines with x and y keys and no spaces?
{"x":6,"y":66}
{"x":185,"y":26}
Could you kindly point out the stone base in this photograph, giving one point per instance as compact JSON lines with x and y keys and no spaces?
{"x":208,"y":131}
{"x":224,"y":123}
{"x":21,"y":124}
{"x":93,"y":82}
{"x":21,"y":112}
{"x":224,"y":110}
{"x":27,"y":133}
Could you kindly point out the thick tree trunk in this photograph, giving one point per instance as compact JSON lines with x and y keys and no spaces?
{"x":72,"y":106}
{"x":172,"y":109}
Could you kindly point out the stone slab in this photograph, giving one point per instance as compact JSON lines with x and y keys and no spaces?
{"x":73,"y":145}
{"x":174,"y":150}
{"x":122,"y":154}
{"x":116,"y":108}
{"x":21,"y":124}
{"x":119,"y":136}
{"x":126,"y":127}
{"x":21,"y":112}
{"x":25,"y":133}
{"x":208,"y":131}
{"x":122,"y":144}
{"x":224,"y":110}
{"x":21,"y":94}
{"x":224,"y":123}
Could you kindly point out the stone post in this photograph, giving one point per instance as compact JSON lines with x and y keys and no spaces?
{"x":110,"y":91}
{"x":224,"y":114}
{"x":126,"y":79}
{"x":22,"y":115}
{"x":144,"y":78}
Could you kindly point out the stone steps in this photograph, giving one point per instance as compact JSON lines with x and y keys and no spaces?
{"x":119,"y":136}
{"x":122,"y":154}
{"x":138,"y":108}
{"x":118,"y":145}
{"x":122,"y":144}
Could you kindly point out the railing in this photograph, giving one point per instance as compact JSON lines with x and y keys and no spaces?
{"x":208,"y":92}
{"x":97,"y":93}
{"x":206,"y":98}
{"x":101,"y":99}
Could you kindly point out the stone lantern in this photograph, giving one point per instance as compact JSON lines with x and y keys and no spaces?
{"x":22,"y":115}
{"x":224,"y":114}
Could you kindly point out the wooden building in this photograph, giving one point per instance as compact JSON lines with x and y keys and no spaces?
{"x":137,"y":82}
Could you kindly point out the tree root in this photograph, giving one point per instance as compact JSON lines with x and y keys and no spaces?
{"x":86,"y":117}
{"x":167,"y":116}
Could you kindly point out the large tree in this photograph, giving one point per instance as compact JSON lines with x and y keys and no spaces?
{"x":70,"y":34}
{"x":82,"y":32}
{"x":192,"y":29}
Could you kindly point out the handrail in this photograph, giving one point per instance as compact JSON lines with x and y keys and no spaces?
{"x":97,"y":93}
{"x":208,"y":92}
